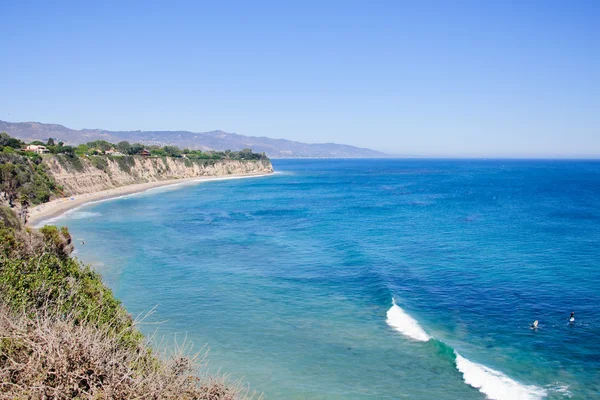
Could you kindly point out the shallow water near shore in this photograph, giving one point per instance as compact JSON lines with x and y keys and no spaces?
{"x":370,"y":279}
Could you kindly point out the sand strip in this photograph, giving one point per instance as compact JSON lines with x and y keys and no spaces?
{"x":54,"y":208}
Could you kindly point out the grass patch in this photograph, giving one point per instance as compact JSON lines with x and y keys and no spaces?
{"x":23,"y":177}
{"x":125,"y":163}
{"x":100,"y":162}
{"x":70,"y":163}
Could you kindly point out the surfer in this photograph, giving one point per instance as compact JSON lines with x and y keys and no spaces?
{"x":572,"y":318}
{"x":535,"y":324}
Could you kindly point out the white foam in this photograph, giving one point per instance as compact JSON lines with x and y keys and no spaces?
{"x":398,"y":319}
{"x":84,"y":214}
{"x":53,"y":220}
{"x":494,"y":384}
{"x":562,"y":389}
{"x":67,"y":213}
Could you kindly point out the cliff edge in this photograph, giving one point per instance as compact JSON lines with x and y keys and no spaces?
{"x":80,"y":175}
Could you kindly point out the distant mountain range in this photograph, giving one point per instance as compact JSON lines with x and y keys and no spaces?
{"x":214,"y":140}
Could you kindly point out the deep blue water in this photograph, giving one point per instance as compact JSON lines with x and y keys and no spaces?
{"x":290,"y":278}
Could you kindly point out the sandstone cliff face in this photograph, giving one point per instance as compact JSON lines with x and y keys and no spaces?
{"x":91,"y":174}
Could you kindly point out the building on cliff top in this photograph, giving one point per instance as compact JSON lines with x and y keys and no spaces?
{"x":113,"y":152}
{"x":144,"y":153}
{"x":36,"y":149}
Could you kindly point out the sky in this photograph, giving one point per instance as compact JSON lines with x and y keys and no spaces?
{"x":447,"y":78}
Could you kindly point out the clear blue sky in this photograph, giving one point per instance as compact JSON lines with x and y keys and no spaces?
{"x":464,"y":78}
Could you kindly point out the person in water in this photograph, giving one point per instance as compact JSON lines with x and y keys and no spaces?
{"x":572,"y":318}
{"x":535,"y":324}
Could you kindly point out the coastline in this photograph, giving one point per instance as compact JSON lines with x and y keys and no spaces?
{"x":57,"y":207}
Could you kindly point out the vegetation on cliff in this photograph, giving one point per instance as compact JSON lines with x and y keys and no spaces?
{"x":27,"y":180}
{"x":125,"y":148}
{"x":64,"y":335}
{"x":24,"y":180}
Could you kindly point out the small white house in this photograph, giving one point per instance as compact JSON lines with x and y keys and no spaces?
{"x":113,"y":152}
{"x":37,"y":149}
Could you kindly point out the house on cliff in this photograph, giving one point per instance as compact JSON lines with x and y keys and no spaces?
{"x":37,"y":149}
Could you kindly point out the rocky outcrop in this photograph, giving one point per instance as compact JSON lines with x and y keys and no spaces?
{"x":78,"y":175}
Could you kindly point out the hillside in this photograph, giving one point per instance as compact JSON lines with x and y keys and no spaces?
{"x":65,"y":336}
{"x":78,"y":175}
{"x":31,"y":174}
{"x":214,"y":140}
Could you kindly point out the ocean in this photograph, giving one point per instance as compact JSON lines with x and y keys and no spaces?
{"x":369,"y":279}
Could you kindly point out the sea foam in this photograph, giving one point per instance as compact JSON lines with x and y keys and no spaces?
{"x":494,"y":384}
{"x":69,"y":214}
{"x":84,"y":215}
{"x":399,"y":319}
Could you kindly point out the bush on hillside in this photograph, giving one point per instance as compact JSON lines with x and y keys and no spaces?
{"x":25,"y":176}
{"x":64,"y":335}
{"x":70,"y":162}
{"x":50,"y":356}
{"x":100,"y":162}
{"x":125,"y":163}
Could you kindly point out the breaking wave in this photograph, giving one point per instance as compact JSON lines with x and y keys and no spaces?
{"x":494,"y":384}
{"x":399,"y":319}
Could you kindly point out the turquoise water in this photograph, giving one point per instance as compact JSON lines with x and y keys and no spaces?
{"x":290,"y":279}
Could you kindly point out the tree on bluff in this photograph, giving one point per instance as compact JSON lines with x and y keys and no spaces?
{"x":4,"y":139}
{"x":124,"y":147}
{"x":136,"y":148}
{"x":172,"y":151}
{"x":9,"y":182}
{"x":7,"y":141}
{"x":102,"y":145}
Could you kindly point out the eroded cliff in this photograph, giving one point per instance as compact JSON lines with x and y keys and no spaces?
{"x":78,"y":175}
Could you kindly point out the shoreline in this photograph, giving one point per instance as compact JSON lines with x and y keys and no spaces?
{"x":57,"y":207}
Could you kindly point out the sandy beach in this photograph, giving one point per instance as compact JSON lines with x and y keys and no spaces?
{"x":54,"y":208}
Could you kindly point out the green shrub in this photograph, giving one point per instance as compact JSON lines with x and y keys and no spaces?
{"x":26,"y":177}
{"x":36,"y":271}
{"x":82,"y":150}
{"x":64,"y":335}
{"x":100,"y":162}
{"x":165,"y":164}
{"x":125,"y":163}
{"x":204,"y":161}
{"x":70,"y":162}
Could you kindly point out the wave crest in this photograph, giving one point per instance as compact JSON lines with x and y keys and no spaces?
{"x":494,"y":384}
{"x":398,"y":319}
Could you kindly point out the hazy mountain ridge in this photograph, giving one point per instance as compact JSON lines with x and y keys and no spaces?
{"x":213,"y":140}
